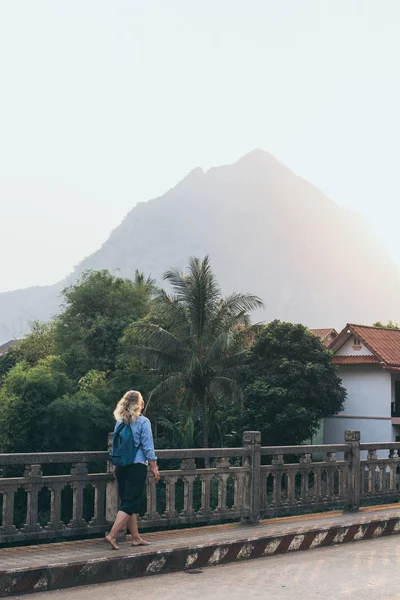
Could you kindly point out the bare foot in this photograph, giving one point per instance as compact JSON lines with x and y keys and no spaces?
{"x":112,"y":542}
{"x":140,"y":542}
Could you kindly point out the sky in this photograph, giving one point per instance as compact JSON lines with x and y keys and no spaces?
{"x":106,"y":103}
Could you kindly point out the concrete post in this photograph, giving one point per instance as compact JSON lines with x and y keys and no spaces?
{"x":352,"y":439}
{"x":112,"y":498}
{"x":252,"y":440}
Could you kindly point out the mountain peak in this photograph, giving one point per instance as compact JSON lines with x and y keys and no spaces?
{"x":258,"y":158}
{"x":267,"y":231}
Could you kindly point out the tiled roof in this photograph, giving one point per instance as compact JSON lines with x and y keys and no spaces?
{"x":383,"y":343}
{"x":5,"y":347}
{"x":355,"y":360}
{"x":323,"y":334}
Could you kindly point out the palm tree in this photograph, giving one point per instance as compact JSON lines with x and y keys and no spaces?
{"x":204,"y":340}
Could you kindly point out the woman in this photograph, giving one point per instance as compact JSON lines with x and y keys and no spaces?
{"x":132,"y":478}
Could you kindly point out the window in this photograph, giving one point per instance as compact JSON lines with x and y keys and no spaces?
{"x":396,"y":403}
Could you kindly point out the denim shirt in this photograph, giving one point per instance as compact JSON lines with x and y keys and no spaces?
{"x":143,"y":439}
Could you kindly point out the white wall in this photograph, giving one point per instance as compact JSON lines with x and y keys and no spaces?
{"x":348,"y":349}
{"x":369,"y":394}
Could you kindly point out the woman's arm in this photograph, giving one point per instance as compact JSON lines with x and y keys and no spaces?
{"x":147,"y":444}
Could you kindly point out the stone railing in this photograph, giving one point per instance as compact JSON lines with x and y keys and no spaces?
{"x":27,"y":485}
{"x":380,"y":475}
{"x":197,"y":486}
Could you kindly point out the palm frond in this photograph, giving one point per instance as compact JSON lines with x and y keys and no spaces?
{"x":143,"y":333}
{"x":219,"y":347}
{"x":177,"y":279}
{"x":175,"y":315}
{"x":228,"y":388}
{"x":156,"y":359}
{"x":166,"y":388}
{"x":232,"y":311}
{"x":232,"y":361}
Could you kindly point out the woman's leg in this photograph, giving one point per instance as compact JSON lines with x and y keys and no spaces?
{"x":136,"y":539}
{"x":121,"y":520}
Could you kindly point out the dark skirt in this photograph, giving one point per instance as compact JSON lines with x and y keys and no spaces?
{"x":131,"y":481}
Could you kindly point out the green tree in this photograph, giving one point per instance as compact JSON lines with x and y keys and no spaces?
{"x":7,"y":361}
{"x":204,"y":341}
{"x":291,"y":384}
{"x":39,"y":343}
{"x":97,"y":310}
{"x":78,"y":422}
{"x":389,"y":325}
{"x":25,"y":396}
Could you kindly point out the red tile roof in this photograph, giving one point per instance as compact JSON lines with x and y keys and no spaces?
{"x":355,"y":360}
{"x":5,"y":347}
{"x":322,"y":334}
{"x":383,"y":343}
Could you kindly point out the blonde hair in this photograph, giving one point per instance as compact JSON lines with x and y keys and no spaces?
{"x":129,"y":407}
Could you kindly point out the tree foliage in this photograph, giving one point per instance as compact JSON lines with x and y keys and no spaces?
{"x":201,"y":346}
{"x":208,"y":372}
{"x":389,"y":325}
{"x":97,"y":311}
{"x":290,"y":383}
{"x":25,"y":396}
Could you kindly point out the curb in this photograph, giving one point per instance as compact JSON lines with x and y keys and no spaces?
{"x":103,"y":570}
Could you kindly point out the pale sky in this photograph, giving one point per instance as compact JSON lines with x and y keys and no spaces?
{"x":106,"y":103}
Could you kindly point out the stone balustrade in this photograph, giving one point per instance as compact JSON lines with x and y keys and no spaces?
{"x":48,"y":496}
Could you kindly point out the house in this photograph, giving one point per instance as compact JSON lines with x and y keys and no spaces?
{"x":8,"y":345}
{"x":368,"y":359}
{"x":325,"y":335}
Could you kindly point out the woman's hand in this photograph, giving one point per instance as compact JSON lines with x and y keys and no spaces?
{"x":156,"y":473}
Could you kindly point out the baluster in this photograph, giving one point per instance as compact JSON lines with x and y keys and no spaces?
{"x":324,"y":485}
{"x":371,"y":479}
{"x":392,"y":477}
{"x":188,"y":482}
{"x":33,"y":473}
{"x":341,"y":490}
{"x":318,"y":485}
{"x":170,"y":497}
{"x":78,"y":471}
{"x":205,"y":494}
{"x":55,"y":508}
{"x":222,"y":463}
{"x":235,"y":505}
{"x":304,"y":486}
{"x":8,"y":526}
{"x":222,"y":479}
{"x":372,"y":472}
{"x":277,"y":501}
{"x":263,"y":483}
{"x":330,"y":483}
{"x":99,"y":517}
{"x":278,"y":461}
{"x":240,"y":492}
{"x":291,"y":491}
{"x":151,"y":498}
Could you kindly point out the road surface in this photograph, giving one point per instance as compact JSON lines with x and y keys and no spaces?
{"x":367,"y":570}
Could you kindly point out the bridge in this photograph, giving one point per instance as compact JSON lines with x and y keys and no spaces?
{"x":246,"y":502}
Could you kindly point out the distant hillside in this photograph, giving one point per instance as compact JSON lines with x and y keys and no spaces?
{"x":267,"y":231}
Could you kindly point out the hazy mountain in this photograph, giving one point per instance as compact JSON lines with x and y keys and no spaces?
{"x":267,"y":231}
